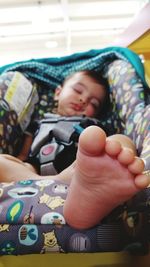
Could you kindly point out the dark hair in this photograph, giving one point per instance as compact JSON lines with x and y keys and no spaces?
{"x":98,"y":78}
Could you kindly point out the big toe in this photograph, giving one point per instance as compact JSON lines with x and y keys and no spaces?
{"x":92,"y":140}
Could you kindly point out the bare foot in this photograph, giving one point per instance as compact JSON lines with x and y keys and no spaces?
{"x":105,"y":176}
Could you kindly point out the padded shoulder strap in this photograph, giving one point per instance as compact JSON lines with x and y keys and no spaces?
{"x":54,"y":147}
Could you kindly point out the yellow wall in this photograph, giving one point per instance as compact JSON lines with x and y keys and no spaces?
{"x":137,"y":37}
{"x":142,"y":47}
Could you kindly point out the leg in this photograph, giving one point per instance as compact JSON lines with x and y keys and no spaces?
{"x":13,"y":169}
{"x":105,"y":176}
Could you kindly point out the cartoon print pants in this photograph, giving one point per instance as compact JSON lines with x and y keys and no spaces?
{"x":32,"y":221}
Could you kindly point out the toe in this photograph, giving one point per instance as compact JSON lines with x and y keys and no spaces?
{"x":142,"y":181}
{"x":137,"y":166}
{"x":92,"y":140}
{"x":112,"y":147}
{"x":126,"y":156}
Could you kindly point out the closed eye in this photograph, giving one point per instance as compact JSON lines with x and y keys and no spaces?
{"x":78,"y":88}
{"x":95,"y":103}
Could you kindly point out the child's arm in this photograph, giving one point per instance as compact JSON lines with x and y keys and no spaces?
{"x":23,"y":155}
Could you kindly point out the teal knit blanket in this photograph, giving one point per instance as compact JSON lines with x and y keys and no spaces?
{"x":50,"y":72}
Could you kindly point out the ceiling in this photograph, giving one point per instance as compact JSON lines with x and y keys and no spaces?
{"x":31,"y":29}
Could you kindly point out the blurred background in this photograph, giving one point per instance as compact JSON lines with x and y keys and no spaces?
{"x":53,"y":28}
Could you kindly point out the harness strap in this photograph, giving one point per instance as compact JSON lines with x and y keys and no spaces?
{"x":63,"y":130}
{"x":42,"y":135}
{"x":55,"y":144}
{"x":47,"y":156}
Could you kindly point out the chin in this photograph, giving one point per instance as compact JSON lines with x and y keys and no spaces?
{"x":71,"y":113}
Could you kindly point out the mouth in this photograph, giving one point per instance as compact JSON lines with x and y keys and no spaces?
{"x":77,"y":107}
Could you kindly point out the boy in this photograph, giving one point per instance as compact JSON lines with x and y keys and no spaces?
{"x":82,"y":93}
{"x":106,"y":171}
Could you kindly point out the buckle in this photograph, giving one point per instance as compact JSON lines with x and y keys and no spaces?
{"x":49,"y":151}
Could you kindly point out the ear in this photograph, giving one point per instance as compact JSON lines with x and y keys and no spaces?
{"x":57,"y":92}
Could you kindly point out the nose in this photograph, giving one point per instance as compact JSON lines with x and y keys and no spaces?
{"x":83,"y":100}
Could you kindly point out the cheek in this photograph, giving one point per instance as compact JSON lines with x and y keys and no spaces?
{"x":64,"y":101}
{"x":90,"y":111}
{"x":66,"y":96}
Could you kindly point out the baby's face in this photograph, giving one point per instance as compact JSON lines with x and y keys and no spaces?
{"x":80,"y":95}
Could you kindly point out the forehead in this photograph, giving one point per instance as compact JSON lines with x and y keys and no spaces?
{"x":80,"y":76}
{"x":85,"y":81}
